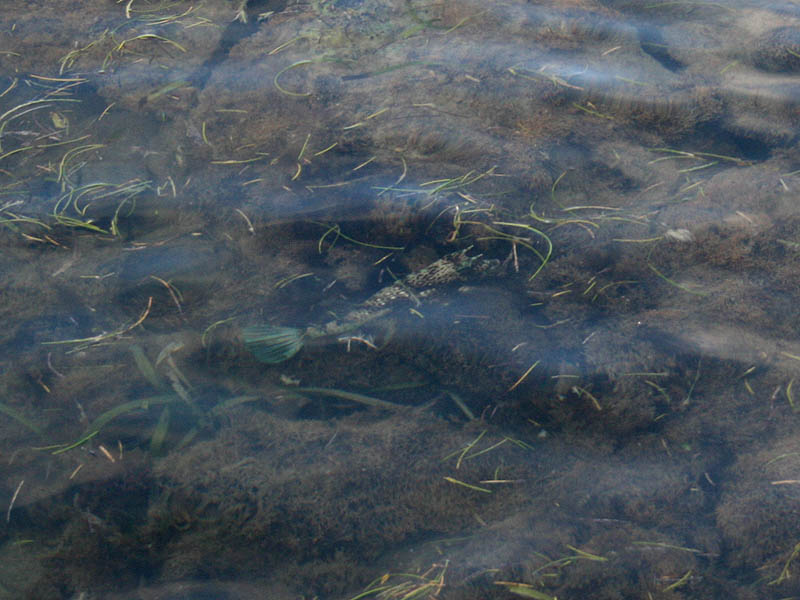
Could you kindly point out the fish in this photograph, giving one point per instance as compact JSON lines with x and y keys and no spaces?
{"x":273,"y":344}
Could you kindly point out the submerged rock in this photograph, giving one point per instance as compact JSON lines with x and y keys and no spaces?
{"x":778,"y":50}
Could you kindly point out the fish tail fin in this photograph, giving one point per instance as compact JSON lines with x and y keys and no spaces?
{"x":270,"y":344}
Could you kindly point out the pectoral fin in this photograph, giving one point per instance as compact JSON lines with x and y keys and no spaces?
{"x":272,"y":345}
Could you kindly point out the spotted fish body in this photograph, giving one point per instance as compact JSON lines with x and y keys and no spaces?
{"x":274,"y":345}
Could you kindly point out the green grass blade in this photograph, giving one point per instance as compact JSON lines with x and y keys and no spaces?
{"x":127,"y":407}
{"x":160,"y":432}
{"x":352,"y":396}
{"x":146,"y":367}
{"x":17,"y":416}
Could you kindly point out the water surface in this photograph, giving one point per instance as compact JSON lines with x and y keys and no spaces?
{"x":610,"y":414}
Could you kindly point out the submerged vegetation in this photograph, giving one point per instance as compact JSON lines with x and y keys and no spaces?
{"x":190,"y":193}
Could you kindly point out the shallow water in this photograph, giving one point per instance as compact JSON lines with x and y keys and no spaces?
{"x":610,"y":414}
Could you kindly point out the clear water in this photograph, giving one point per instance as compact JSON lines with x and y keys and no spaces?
{"x":611,"y":414}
